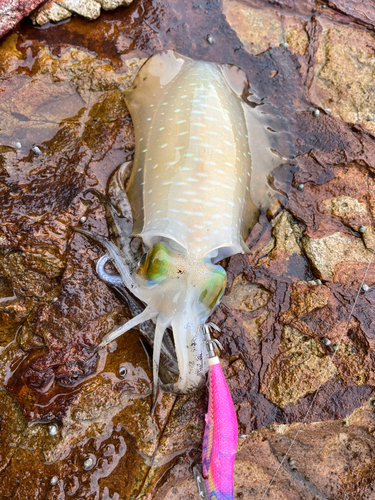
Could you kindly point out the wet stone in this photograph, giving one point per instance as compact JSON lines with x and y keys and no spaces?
{"x":88,"y":464}
{"x":13,"y":12}
{"x":324,"y":450}
{"x":345,"y":94}
{"x":260,"y":30}
{"x":52,"y":430}
{"x":299,"y":369}
{"x":326,"y":253}
{"x":325,"y":341}
{"x":62,"y":89}
{"x":245,"y":296}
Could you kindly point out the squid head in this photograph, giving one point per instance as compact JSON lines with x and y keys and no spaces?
{"x":180,"y":292}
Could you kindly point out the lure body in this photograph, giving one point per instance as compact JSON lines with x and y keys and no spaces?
{"x":220,"y":436}
{"x":200,"y":172}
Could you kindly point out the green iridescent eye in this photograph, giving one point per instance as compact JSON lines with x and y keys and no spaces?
{"x":155,"y":265}
{"x":214,"y":288}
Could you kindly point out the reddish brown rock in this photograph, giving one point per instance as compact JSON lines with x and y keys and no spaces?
{"x":360,"y":11}
{"x":12,"y":11}
{"x":328,"y":460}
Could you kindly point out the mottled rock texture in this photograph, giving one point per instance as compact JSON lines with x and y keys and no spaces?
{"x":12,"y":11}
{"x":58,"y":10}
{"x":296,"y":326}
{"x":328,"y":460}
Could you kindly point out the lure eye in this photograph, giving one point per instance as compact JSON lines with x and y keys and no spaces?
{"x":154,"y":266}
{"x":214,"y":288}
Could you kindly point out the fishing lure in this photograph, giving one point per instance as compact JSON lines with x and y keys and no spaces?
{"x":202,"y":162}
{"x":221,"y":432}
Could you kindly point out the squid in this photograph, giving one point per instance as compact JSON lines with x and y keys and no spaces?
{"x":201,"y":172}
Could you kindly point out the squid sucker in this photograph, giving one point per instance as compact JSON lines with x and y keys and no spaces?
{"x":200,"y":173}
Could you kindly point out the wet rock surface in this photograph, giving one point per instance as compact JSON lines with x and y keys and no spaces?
{"x":288,"y":335}
{"x":328,"y":460}
{"x":44,"y":11}
{"x":60,"y":10}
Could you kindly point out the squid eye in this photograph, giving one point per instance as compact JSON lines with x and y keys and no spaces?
{"x":154,"y":266}
{"x":214,"y":288}
{"x":142,"y":260}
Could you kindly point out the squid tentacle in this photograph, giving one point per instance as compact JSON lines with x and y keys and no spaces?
{"x":191,"y":355}
{"x":118,"y":259}
{"x":161,"y":325}
{"x":167,"y":347}
{"x":147,"y":314}
{"x":110,"y":279}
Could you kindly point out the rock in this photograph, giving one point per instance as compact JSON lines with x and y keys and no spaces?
{"x":343,"y":73}
{"x":369,"y":239}
{"x":265,"y":28}
{"x":61,"y":88}
{"x":362,"y":11}
{"x":325,"y":253}
{"x":23,"y":288}
{"x":260,"y":30}
{"x":245,"y":296}
{"x":305,"y":297}
{"x":353,"y":213}
{"x":284,"y":247}
{"x":287,"y":234}
{"x":58,"y":10}
{"x":341,"y":206}
{"x":340,"y":53}
{"x":113,"y":4}
{"x":12,"y":11}
{"x":90,"y":9}
{"x":301,"y":368}
{"x":336,"y":457}
{"x":12,"y":425}
{"x":350,"y":210}
{"x":50,"y":11}
{"x":48,"y":110}
{"x":253,"y":325}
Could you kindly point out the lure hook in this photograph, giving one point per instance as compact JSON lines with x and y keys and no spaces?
{"x":211,"y":343}
{"x":199,"y":481}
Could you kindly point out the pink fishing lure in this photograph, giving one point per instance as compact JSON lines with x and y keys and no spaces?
{"x":220,"y":436}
